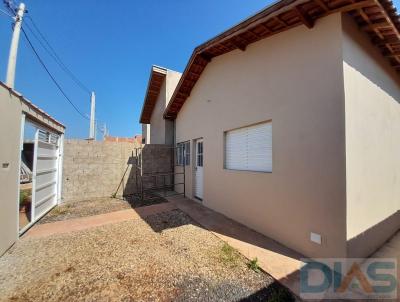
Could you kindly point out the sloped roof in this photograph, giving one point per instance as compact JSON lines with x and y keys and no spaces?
{"x":157,"y":77}
{"x":376,"y":17}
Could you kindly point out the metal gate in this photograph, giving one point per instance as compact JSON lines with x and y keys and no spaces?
{"x":45,"y":189}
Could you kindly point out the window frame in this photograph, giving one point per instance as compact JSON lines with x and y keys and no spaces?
{"x":199,"y":154}
{"x":183,"y":159}
{"x":269,"y":171}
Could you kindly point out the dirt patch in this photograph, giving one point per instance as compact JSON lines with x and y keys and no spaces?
{"x":97,"y":206}
{"x":166,"y":257}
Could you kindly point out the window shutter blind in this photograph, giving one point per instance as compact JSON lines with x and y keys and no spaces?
{"x":249,"y":148}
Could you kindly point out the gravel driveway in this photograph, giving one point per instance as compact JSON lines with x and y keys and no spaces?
{"x":166,"y":257}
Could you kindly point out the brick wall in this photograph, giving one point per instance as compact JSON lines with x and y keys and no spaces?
{"x":137,"y":139}
{"x":157,"y":159}
{"x":97,"y":168}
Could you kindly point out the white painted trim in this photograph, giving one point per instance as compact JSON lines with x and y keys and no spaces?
{"x":34,"y":172}
{"x":21,"y":147}
{"x":60,"y":167}
{"x":46,"y":171}
{"x":198,"y":198}
{"x":43,"y":127}
{"x":46,"y":198}
{"x":46,"y":185}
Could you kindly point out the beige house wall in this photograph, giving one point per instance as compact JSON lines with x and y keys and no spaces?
{"x":294,"y":79}
{"x":10,"y":136}
{"x":157,"y":123}
{"x":372,"y":143}
{"x":161,"y":130}
{"x":172,"y":80}
{"x":12,"y":107}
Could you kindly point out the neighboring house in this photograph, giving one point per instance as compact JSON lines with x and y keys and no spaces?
{"x":160,"y":88}
{"x":293,"y":116}
{"x":136,"y":138}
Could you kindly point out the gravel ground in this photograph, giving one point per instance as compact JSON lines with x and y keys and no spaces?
{"x":96,"y":206}
{"x":166,"y":257}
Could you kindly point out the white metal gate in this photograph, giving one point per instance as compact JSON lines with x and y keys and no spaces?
{"x":45,"y":173}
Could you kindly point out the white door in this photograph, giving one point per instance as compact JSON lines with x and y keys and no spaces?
{"x":45,"y":173}
{"x":198,"y":173}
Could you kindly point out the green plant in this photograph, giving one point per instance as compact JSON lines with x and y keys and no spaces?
{"x":228,"y":255}
{"x":113,"y":195}
{"x":24,"y":197}
{"x":253,"y":265}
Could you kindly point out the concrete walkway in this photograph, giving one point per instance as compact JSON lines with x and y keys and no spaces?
{"x":277,"y":260}
{"x":391,"y":249}
{"x":78,"y":224}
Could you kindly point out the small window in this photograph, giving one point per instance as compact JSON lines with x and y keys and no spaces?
{"x":183,"y":154}
{"x":249,"y":148}
{"x":200,"y":154}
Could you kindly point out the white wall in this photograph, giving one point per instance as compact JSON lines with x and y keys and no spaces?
{"x":146,"y":133}
{"x":157,"y":128}
{"x":172,"y":79}
{"x":372,"y":142}
{"x":295,"y":79}
{"x":161,"y":130}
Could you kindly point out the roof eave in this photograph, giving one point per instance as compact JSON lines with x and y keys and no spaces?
{"x":303,"y":12}
{"x":154,"y":70}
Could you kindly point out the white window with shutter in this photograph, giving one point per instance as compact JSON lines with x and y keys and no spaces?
{"x":249,"y":148}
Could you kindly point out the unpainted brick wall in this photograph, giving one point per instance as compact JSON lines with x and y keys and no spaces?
{"x":157,"y":159}
{"x":93,"y":169}
{"x":96,"y":168}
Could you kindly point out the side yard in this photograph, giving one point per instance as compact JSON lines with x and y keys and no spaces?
{"x":95,"y":206}
{"x":161,"y":257}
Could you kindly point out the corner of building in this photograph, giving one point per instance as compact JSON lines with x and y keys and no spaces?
{"x":372,"y":119}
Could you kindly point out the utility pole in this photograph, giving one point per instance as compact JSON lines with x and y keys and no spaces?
{"x":12,"y":59}
{"x":92,"y":128}
{"x":104,"y":131}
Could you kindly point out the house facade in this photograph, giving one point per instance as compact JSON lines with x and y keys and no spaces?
{"x":293,"y":120}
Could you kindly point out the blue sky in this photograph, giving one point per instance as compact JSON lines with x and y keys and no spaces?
{"x":110,"y":46}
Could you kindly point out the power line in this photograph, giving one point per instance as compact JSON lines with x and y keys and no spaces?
{"x":50,"y":50}
{"x":6,"y":13}
{"x":51,"y":76}
{"x":10,"y":6}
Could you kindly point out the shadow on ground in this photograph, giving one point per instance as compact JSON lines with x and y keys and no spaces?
{"x":175,"y":219}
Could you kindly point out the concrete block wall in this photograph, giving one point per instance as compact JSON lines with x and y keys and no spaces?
{"x":157,"y":158}
{"x":95,"y":169}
